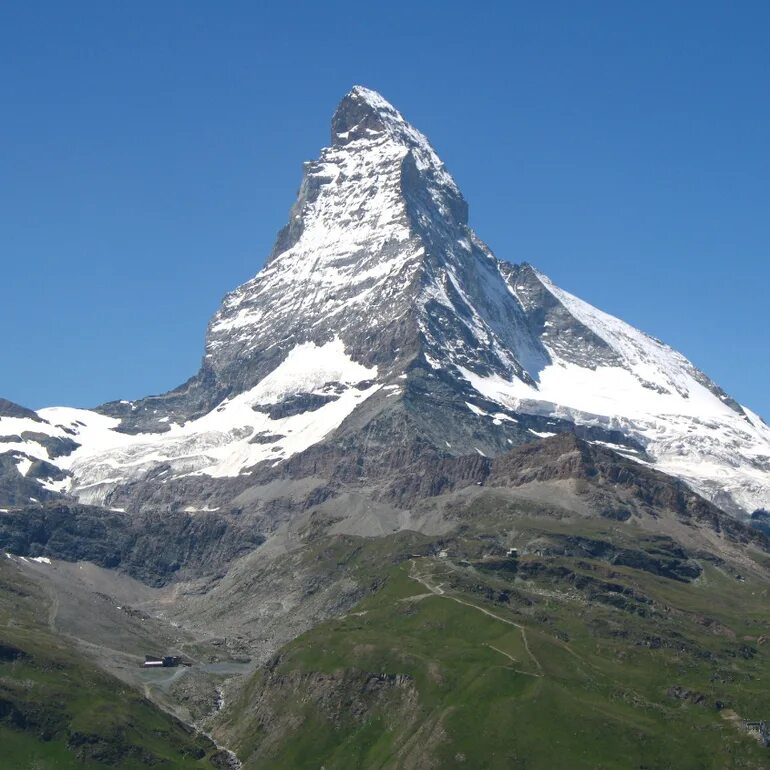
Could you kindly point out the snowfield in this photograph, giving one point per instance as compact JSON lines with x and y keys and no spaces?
{"x":219,"y":443}
{"x":656,"y":397}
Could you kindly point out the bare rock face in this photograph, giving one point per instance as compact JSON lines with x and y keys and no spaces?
{"x":10,"y":409}
{"x":382,"y":323}
{"x":156,"y":549}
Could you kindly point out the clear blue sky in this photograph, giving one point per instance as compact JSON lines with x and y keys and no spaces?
{"x":149,"y":152}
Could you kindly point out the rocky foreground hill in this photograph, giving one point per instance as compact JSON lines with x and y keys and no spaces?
{"x":418,"y":508}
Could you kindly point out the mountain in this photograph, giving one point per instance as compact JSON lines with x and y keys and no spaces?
{"x":419,"y":508}
{"x":380,"y":311}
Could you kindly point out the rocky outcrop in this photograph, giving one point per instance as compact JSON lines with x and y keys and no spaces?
{"x":658,"y":555}
{"x":153,"y":548}
{"x":341,"y":701}
{"x":11,"y":409}
{"x":24,"y":489}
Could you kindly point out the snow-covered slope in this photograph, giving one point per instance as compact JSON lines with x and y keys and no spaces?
{"x":378,"y":279}
{"x":295,"y":406}
{"x":348,"y":262}
{"x":651,"y":393}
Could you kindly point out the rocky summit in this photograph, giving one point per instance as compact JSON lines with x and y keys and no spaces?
{"x":419,"y":507}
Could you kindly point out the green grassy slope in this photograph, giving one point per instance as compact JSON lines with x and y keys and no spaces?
{"x":477,"y":660}
{"x":58,"y":712}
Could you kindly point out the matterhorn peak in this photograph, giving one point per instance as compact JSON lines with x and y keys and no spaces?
{"x":363,"y":113}
{"x":380,"y":312}
{"x":364,"y":118}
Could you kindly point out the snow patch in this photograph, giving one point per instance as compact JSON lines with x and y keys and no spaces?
{"x":23,"y":464}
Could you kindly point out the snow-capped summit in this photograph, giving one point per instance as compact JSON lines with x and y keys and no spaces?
{"x":364,"y":115}
{"x":380,"y":313}
{"x":353,"y":256}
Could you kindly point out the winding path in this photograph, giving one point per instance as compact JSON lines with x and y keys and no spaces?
{"x":439,"y":591}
